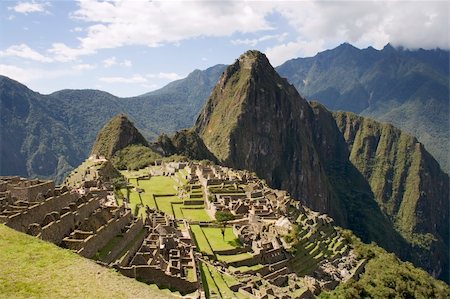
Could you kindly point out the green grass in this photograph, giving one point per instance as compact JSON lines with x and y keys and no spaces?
{"x":234,"y":258}
{"x":202,"y":242}
{"x":135,"y":173}
{"x":180,"y":174}
{"x":214,"y":235}
{"x":195,"y":214}
{"x":155,"y":185}
{"x":209,"y":284}
{"x":31,"y":268}
{"x":221,"y":283}
{"x":102,"y":253}
{"x":158,"y":185}
{"x":165,"y":203}
{"x":244,"y":269}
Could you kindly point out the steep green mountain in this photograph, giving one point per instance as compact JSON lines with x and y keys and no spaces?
{"x":48,"y":135}
{"x":407,"y":182}
{"x":116,"y":134}
{"x":256,"y":120}
{"x":409,"y":89}
{"x":34,"y":139}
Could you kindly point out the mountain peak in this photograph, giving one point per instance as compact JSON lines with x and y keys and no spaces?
{"x":116,"y":134}
{"x":252,"y":56}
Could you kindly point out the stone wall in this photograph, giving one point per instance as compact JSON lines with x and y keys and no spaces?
{"x":104,"y":234}
{"x":265,"y":257}
{"x":37,"y":212}
{"x":128,"y":236}
{"x":56,"y":231}
{"x":28,"y":191}
{"x":126,"y":259}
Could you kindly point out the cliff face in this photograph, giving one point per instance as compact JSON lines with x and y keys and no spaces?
{"x":255,"y":120}
{"x":407,"y":182}
{"x":115,"y":135}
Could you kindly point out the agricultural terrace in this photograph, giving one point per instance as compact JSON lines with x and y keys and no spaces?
{"x":161,"y":192}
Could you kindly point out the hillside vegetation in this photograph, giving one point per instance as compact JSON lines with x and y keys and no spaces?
{"x":385,"y":276}
{"x":31,"y":268}
{"x":408,"y":88}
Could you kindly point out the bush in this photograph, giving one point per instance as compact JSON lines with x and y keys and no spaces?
{"x":224,"y":216}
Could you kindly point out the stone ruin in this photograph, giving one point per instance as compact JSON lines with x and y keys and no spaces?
{"x":166,"y":256}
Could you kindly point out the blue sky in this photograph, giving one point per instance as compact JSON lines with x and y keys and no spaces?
{"x":131,"y":47}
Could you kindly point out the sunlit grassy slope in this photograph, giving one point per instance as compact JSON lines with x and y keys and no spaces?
{"x":31,"y":268}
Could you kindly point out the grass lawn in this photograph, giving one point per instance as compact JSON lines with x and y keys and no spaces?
{"x":195,"y":214}
{"x":164,"y":203}
{"x":155,"y":185}
{"x":171,"y":205}
{"x":201,"y":240}
{"x":214,"y":235}
{"x":158,"y":185}
{"x":180,"y":174}
{"x":31,"y":268}
{"x":135,"y":173}
{"x":102,"y":253}
{"x":234,"y":258}
{"x":220,"y":282}
{"x":209,"y":285}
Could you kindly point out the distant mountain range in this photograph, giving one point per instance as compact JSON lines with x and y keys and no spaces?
{"x":409,"y":89}
{"x":48,"y":135}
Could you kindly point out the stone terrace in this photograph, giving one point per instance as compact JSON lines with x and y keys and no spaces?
{"x":166,"y":256}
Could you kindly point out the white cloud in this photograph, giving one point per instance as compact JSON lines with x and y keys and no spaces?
{"x":84,"y":67}
{"x":411,"y":24}
{"x":253,"y":42}
{"x":62,"y":52}
{"x":108,"y":62}
{"x":283,"y":52}
{"x":166,"y":76}
{"x":134,"y":79}
{"x":126,"y":63}
{"x":26,"y":75}
{"x":30,"y":7}
{"x":23,"y":51}
{"x":76,"y":29}
{"x":113,"y":24}
{"x":155,"y":23}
